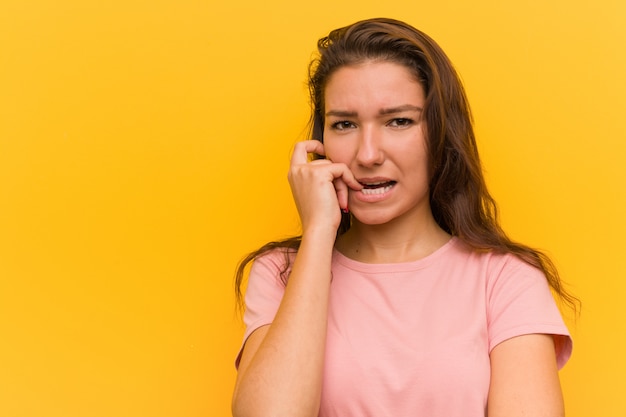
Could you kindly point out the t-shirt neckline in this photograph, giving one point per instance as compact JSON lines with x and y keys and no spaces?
{"x":396,"y":267}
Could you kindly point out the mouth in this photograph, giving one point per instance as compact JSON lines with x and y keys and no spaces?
{"x":379,"y":187}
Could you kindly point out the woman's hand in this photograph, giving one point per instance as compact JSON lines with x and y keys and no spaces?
{"x":319,"y":187}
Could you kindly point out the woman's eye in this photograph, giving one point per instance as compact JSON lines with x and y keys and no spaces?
{"x":342,"y":125}
{"x":401,"y":122}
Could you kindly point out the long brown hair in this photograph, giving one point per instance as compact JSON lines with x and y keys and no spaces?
{"x":459,"y":199}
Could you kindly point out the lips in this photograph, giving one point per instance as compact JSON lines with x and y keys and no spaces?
{"x":372,"y":187}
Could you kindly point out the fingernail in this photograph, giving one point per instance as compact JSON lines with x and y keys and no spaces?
{"x":345,"y":210}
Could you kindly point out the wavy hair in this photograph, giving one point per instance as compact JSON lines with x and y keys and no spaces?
{"x":459,"y":199}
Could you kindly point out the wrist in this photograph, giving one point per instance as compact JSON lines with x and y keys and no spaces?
{"x":320,"y":236}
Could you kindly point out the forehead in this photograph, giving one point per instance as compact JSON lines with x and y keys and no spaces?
{"x":373,"y":83}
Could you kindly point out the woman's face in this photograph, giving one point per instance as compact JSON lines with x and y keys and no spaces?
{"x":374,"y":125}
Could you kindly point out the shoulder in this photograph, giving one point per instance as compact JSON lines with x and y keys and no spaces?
{"x":276,"y":258}
{"x":495,"y":264}
{"x":509,"y":271}
{"x":490,"y":264}
{"x":274,"y":264}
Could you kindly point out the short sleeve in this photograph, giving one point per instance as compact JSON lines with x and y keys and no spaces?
{"x":520,"y":302}
{"x":264,"y":293}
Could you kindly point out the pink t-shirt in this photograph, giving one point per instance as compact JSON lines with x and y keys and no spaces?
{"x":413,"y":339}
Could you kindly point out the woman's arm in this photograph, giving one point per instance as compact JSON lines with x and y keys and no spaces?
{"x":280,"y":372}
{"x":524,"y":378}
{"x":281,"y":364}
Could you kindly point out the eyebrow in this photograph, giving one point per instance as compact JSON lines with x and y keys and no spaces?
{"x":341,"y":113}
{"x":382,"y":112}
{"x":400,"y":109}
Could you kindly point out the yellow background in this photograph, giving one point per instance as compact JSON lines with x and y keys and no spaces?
{"x":144,"y":148}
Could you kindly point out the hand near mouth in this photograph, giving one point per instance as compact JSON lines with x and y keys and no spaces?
{"x":319,"y":187}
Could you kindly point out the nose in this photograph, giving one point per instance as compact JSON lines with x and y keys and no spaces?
{"x":369,"y":152}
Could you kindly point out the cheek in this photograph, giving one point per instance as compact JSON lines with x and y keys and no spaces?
{"x":415,"y":162}
{"x":335,"y":152}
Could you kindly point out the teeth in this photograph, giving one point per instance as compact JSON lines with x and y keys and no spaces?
{"x":380,"y":190}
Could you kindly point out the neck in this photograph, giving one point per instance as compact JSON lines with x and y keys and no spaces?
{"x":392,"y":242}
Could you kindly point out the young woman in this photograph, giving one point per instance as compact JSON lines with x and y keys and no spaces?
{"x":402,"y":297}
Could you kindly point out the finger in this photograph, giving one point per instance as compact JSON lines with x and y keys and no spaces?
{"x":320,"y":162}
{"x":302,"y":150}
{"x":342,"y":194}
{"x":343,"y":181}
{"x":341,"y":172}
{"x":346,"y":176}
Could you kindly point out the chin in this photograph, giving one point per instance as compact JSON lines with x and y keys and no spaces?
{"x":372,"y":219}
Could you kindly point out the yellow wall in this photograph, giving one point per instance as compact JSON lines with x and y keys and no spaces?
{"x":143,"y":150}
